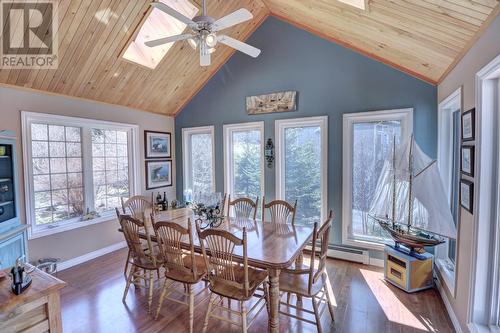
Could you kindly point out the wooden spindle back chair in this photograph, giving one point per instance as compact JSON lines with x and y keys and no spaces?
{"x":243,"y":207}
{"x":280,"y":211}
{"x":311,"y":281}
{"x":137,"y":207}
{"x":182,"y":266}
{"x":142,"y":261}
{"x":227,"y":278}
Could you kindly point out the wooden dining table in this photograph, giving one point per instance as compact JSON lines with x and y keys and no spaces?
{"x":270,"y":246}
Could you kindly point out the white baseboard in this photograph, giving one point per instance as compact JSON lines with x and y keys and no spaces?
{"x":89,"y":256}
{"x":449,"y":308}
{"x":377,"y":262}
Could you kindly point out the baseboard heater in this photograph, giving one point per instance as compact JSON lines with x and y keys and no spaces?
{"x":347,"y":253}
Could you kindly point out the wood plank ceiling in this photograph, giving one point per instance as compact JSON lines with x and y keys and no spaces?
{"x":424,"y":38}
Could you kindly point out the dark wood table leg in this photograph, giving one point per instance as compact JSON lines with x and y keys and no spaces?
{"x":274,"y":300}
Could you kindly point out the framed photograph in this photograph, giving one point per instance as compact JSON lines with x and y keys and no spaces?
{"x":467,"y":161}
{"x":282,"y":101}
{"x":467,"y":194}
{"x":157,"y":144}
{"x":158,"y":174}
{"x":468,"y":125}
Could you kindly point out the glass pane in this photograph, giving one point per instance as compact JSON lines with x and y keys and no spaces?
{"x":42,"y":199}
{"x":56,"y":133}
{"x":109,"y":171}
{"x":41,"y":183}
{"x":303,"y":172}
{"x":74,"y":179}
{"x":58,"y":181}
{"x":57,"y":165}
{"x":39,"y":132}
{"x":74,"y":149}
{"x":74,"y":164}
{"x":57,"y":149}
{"x":39,"y":149}
{"x":73,"y":134}
{"x":40,"y":166}
{"x":246,"y":164}
{"x":372,"y":144}
{"x":201,"y":163}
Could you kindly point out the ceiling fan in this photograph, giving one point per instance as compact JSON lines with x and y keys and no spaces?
{"x":205,"y":31}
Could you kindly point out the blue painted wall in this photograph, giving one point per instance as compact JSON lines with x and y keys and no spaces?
{"x":331,"y":80}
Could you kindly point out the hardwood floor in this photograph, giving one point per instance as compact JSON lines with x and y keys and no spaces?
{"x":364,"y":302}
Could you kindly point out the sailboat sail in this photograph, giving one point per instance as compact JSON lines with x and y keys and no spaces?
{"x":429,"y":207}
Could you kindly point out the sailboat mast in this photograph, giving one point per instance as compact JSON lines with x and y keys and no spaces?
{"x":410,"y":189}
{"x":394,"y":182}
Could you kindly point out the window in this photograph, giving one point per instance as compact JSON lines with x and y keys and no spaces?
{"x":449,"y":141}
{"x":368,"y":141}
{"x":158,"y":25}
{"x":244,"y":160}
{"x":199,"y":160}
{"x":301,"y":166}
{"x":75,"y":165}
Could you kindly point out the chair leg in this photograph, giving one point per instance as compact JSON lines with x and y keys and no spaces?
{"x":330,"y":305}
{"x":209,"y":309}
{"x":191,"y":308}
{"x":126,"y":264}
{"x":266,"y":295}
{"x":129,"y":281}
{"x":151,"y":287}
{"x":243,"y":310}
{"x":316,"y":314}
{"x":162,"y":296}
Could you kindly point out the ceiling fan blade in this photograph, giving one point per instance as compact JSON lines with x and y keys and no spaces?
{"x":239,"y":16}
{"x":172,"y":12}
{"x":165,"y":40}
{"x":239,"y":45}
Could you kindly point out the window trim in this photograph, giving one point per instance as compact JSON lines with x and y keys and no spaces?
{"x":446,"y":109}
{"x":280,"y":126}
{"x":228,"y":130}
{"x":349,"y":119}
{"x":186,"y":149}
{"x":134,"y":167}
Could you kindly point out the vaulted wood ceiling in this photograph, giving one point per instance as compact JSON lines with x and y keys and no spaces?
{"x":424,"y":38}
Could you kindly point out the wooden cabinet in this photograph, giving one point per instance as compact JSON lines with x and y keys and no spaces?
{"x":12,"y":232}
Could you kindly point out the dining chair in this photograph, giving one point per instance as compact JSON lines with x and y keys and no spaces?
{"x":180,"y":266}
{"x":311,"y":281}
{"x":140,"y":260}
{"x":243,"y":207}
{"x":280,"y":211}
{"x":137,"y":207}
{"x":228,"y":279}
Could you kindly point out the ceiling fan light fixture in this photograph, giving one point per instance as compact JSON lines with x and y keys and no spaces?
{"x":193,"y":42}
{"x":211,"y":40}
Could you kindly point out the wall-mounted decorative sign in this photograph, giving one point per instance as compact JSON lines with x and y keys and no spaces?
{"x":467,"y":194}
{"x":467,"y":161}
{"x":276,"y":102}
{"x":158,"y":174}
{"x":157,"y":144}
{"x":468,"y":125}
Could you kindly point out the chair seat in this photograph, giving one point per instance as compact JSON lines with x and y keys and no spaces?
{"x":255,"y":279}
{"x":299,"y":283}
{"x":147,"y":263}
{"x":187,"y":277}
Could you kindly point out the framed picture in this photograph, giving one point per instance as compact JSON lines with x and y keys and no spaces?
{"x":468,"y":125}
{"x":466,"y":194}
{"x":467,"y":161}
{"x":158,"y":174}
{"x":282,"y":101}
{"x":157,"y":144}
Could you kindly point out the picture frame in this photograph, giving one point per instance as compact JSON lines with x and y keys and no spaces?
{"x":467,"y":195}
{"x":158,"y":174}
{"x":281,"y":101}
{"x":469,"y":125}
{"x":467,"y":160}
{"x":157,"y":144}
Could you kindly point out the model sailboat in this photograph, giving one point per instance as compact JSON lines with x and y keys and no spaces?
{"x":410,"y":201}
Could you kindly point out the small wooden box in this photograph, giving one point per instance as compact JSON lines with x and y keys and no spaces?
{"x":407,"y":272}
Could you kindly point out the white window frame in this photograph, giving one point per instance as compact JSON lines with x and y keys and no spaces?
{"x":280,"y":127}
{"x":484,"y":293}
{"x":349,"y":119}
{"x":186,"y":153}
{"x":27,"y":118}
{"x":228,"y":131}
{"x":446,"y":110}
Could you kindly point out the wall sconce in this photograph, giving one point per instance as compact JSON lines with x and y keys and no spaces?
{"x":269,"y":153}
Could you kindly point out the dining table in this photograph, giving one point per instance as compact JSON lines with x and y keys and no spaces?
{"x":270,"y":246}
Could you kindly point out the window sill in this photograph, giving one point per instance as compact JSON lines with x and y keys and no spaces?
{"x":47,"y":231}
{"x":447,"y":275}
{"x":364,"y":244}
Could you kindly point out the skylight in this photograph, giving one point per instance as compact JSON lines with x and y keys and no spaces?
{"x":158,"y":25}
{"x":361,"y":4}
